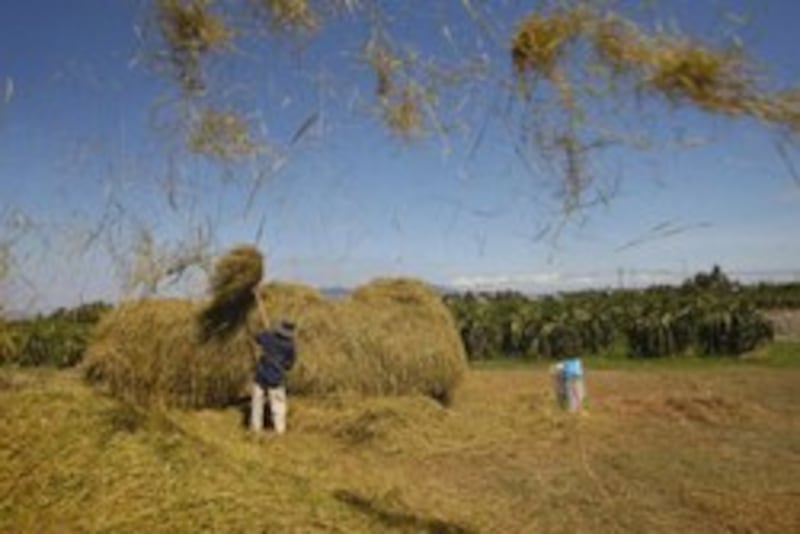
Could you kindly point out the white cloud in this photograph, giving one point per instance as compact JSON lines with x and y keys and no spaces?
{"x":552,"y":281}
{"x":507,"y":281}
{"x":534,"y":282}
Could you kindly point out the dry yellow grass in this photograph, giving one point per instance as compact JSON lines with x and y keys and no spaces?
{"x":392,"y":337}
{"x":402,"y":115}
{"x":221,"y":134}
{"x":702,"y":450}
{"x":236,"y":274}
{"x":712,"y":78}
{"x":289,"y":15}
{"x":155,"y":352}
{"x":400,"y":99}
{"x":191,"y":30}
{"x":540,"y":40}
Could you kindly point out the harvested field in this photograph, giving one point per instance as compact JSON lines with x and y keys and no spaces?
{"x":707,"y":449}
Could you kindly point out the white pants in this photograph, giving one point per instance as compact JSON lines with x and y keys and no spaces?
{"x":277,"y":407}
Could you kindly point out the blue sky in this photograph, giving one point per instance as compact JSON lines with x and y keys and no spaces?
{"x":349,"y":202}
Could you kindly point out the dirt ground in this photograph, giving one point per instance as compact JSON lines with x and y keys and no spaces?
{"x":657,"y":450}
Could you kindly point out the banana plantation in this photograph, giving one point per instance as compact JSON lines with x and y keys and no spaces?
{"x":707,"y":315}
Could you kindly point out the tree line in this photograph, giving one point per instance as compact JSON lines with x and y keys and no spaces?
{"x":708,"y":314}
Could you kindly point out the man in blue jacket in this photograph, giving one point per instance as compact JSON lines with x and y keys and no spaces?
{"x":277,"y":358}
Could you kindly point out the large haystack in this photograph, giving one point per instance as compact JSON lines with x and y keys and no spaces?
{"x":390,"y":337}
{"x":405,"y":326}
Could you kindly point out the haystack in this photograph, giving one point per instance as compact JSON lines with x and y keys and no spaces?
{"x":405,"y":329}
{"x":391,"y":337}
{"x":325,"y":345}
{"x":179,"y":352}
{"x":152,"y":352}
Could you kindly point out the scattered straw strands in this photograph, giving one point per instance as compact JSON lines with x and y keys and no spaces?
{"x":220,"y":134}
{"x":191,"y":30}
{"x":289,"y":14}
{"x":717,"y":80}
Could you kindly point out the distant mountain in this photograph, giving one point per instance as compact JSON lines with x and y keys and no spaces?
{"x":335,"y":292}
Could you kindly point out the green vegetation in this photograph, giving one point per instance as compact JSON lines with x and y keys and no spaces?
{"x":777,"y":354}
{"x":58,"y":339}
{"x":708,"y":315}
{"x":773,"y":296}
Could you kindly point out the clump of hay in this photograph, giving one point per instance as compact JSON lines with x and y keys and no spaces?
{"x":400,"y":100}
{"x":384,"y":64}
{"x":541,"y":40}
{"x":403,"y":114}
{"x":289,"y":14}
{"x":576,"y":53}
{"x":715,"y":80}
{"x":237,"y":273}
{"x":221,"y":134}
{"x":392,"y":337}
{"x":618,"y":43}
{"x":719,"y":80}
{"x":191,"y":30}
{"x":783,"y":108}
{"x":235,"y":276}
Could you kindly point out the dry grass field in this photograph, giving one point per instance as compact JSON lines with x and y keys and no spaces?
{"x":707,"y":447}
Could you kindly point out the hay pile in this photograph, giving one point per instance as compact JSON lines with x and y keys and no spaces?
{"x":406,"y":327}
{"x":153,"y":352}
{"x":390,"y":337}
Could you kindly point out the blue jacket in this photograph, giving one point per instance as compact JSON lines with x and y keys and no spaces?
{"x":277,"y":357}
